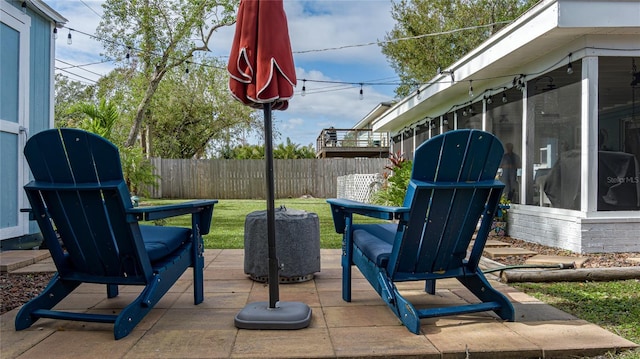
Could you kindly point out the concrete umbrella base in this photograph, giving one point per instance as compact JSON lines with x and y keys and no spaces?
{"x":286,"y":315}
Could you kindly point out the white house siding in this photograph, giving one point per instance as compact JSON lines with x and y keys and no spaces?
{"x":610,"y":235}
{"x":545,"y":226}
{"x":581,"y":235}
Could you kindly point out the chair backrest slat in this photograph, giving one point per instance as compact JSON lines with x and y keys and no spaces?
{"x":78,"y":177}
{"x":443,"y":219}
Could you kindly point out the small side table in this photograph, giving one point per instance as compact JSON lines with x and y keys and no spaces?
{"x":297,"y":245}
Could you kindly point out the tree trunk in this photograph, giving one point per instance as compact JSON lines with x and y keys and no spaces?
{"x":142,"y":109}
{"x":570,"y":275}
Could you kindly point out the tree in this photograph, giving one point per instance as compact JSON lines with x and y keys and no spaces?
{"x":183,"y":126}
{"x":416,"y":60}
{"x":288,"y":150}
{"x":101,"y":120}
{"x":292,"y":150}
{"x":157,"y":36}
{"x":68,"y":93}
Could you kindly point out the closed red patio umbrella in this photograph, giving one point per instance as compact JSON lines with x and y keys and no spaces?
{"x":262,"y":75}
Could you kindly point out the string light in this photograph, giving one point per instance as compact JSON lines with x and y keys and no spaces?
{"x":418,"y":95}
{"x":304,"y":87}
{"x":504,"y":97}
{"x":24,"y":7}
{"x":69,"y":41}
{"x":393,"y":83}
{"x":55,"y":33}
{"x":361,"y":93}
{"x":186,"y":67}
{"x":470,"y":88}
{"x":569,"y":66}
{"x":489,"y":100}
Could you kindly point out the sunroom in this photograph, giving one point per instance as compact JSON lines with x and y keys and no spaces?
{"x":561,"y":87}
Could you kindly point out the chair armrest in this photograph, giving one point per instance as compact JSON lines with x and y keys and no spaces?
{"x":345,"y":208}
{"x":366,"y":209}
{"x":202,"y":207}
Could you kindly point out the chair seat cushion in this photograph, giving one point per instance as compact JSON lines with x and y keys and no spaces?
{"x":375,"y":241}
{"x":160,"y":241}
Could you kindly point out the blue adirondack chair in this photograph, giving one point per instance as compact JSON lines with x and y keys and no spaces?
{"x":83,"y":208}
{"x":452,"y":187}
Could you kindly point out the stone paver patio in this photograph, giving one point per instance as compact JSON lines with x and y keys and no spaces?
{"x":363,"y":328}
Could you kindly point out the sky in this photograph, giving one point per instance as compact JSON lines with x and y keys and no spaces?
{"x":313,"y":25}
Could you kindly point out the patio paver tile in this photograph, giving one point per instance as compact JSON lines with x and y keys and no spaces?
{"x":479,"y":336}
{"x":308,"y":343}
{"x":576,"y":338}
{"x":391,"y":341}
{"x":93,"y":344}
{"x":184,"y":343}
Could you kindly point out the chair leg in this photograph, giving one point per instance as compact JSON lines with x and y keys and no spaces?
{"x":198,"y":280}
{"x":112,"y":290}
{"x":346,"y":278}
{"x":56,"y":290}
{"x":406,"y":312}
{"x":163,"y":279}
{"x":197,"y":260}
{"x":480,"y":287}
{"x":347,"y":262}
{"x":430,"y":286}
{"x":130,"y":316}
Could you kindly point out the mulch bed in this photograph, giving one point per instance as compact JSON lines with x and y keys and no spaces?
{"x":597,"y":260}
{"x":17,"y":289}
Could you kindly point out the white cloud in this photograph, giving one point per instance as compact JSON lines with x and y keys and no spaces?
{"x":317,"y":25}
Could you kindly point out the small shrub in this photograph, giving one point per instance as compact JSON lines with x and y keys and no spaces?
{"x":396,"y":181}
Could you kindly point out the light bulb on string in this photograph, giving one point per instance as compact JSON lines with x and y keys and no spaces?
{"x":24,"y":7}
{"x":418,"y":95}
{"x":569,"y":66}
{"x":304,"y":87}
{"x":55,"y":33}
{"x":504,"y":98}
{"x":470,"y":89}
{"x":69,"y":40}
{"x":128,"y":55}
{"x":361,"y":93}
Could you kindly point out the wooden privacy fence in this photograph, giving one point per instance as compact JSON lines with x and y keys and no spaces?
{"x":245,"y":179}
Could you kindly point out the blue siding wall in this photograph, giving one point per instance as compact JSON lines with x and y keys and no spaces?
{"x":39,"y":80}
{"x":9,"y":183}
{"x":40,"y":74}
{"x":9,"y":73}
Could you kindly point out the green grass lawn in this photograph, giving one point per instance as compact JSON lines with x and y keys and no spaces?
{"x":227,"y":228}
{"x":612,"y":305}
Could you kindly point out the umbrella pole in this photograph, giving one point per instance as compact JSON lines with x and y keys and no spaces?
{"x":275,"y":314}
{"x":274,"y":276}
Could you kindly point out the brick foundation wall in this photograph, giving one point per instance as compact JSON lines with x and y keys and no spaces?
{"x":551,"y":227}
